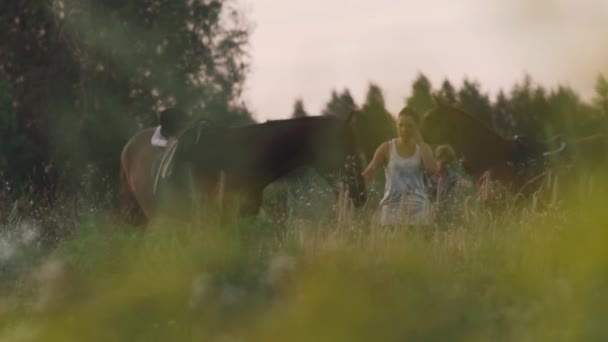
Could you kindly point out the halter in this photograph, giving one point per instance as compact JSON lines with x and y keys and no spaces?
{"x":528,"y":156}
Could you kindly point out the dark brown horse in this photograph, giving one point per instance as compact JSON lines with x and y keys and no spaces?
{"x":515,"y":163}
{"x":242,"y":160}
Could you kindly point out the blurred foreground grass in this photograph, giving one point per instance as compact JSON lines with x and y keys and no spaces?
{"x":527,"y":274}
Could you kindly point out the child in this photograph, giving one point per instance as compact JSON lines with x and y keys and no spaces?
{"x":445,"y":181}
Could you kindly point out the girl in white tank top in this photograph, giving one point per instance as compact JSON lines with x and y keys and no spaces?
{"x":406,"y":199}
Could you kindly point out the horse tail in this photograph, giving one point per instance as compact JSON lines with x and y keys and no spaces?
{"x":130,"y":211}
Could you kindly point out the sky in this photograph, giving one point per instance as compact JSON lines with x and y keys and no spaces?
{"x":305,"y":49}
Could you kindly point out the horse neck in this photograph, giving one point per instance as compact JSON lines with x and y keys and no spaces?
{"x":291,"y":147}
{"x":482,"y":148}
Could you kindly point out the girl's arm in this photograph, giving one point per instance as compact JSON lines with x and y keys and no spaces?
{"x":379,"y":160}
{"x":428,"y":160}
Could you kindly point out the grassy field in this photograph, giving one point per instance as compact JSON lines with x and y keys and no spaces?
{"x":312,"y":269}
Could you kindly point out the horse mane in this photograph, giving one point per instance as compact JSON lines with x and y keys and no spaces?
{"x":282,"y":122}
{"x":301,"y":119}
{"x":211,"y":144}
{"x":474,"y":121}
{"x":202,"y":127}
{"x":483,"y":149}
{"x":268,"y":128}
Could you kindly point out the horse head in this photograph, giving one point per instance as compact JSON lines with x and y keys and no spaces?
{"x":340,"y":158}
{"x":435,"y":125}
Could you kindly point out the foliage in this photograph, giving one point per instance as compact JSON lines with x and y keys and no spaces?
{"x":447,"y":93}
{"x":340,"y":105}
{"x":375,"y":123}
{"x":421,"y":97}
{"x":473,"y":101}
{"x":298,"y":109}
{"x":86,"y":74}
{"x":492,"y":276}
{"x":600,"y":101}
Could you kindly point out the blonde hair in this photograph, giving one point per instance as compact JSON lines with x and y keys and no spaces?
{"x":446,"y":153}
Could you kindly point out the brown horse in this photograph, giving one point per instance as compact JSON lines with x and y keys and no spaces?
{"x":515,"y":163}
{"x":242,"y":160}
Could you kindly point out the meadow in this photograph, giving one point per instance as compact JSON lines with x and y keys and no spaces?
{"x":310,"y":268}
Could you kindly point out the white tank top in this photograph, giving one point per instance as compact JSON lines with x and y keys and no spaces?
{"x":405,"y":191}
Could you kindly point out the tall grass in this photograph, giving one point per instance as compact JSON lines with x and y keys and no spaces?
{"x":322,"y":271}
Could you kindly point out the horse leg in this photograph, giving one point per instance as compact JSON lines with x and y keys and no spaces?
{"x":251,"y":203}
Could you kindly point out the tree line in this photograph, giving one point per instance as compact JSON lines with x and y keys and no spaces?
{"x":79,"y":77}
{"x":528,"y":108}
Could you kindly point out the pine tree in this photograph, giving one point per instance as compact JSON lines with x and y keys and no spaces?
{"x":375,"y":123}
{"x":600,"y":101}
{"x":527,"y":117}
{"x":474,"y":102}
{"x":568,"y":112}
{"x":421,"y":98}
{"x":298,"y":110}
{"x":340,"y":105}
{"x":501,"y":115}
{"x":447,"y":93}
